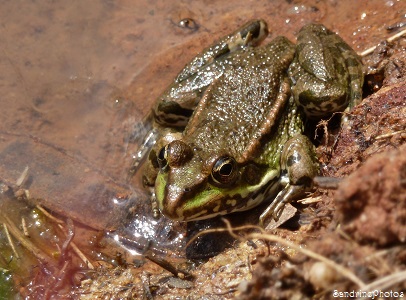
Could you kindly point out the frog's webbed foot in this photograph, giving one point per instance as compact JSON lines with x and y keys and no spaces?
{"x":287,"y":195}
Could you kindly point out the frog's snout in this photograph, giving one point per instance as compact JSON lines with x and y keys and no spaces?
{"x":177,"y":200}
{"x":174,"y":202}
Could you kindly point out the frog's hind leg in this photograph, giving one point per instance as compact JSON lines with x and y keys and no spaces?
{"x":327,"y":74}
{"x":354,"y":66}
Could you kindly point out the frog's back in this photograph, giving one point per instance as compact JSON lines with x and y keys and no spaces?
{"x":243,"y":104}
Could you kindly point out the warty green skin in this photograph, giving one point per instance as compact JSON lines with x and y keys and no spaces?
{"x":235,"y":114}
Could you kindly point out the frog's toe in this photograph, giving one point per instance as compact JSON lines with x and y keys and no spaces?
{"x":287,"y":195}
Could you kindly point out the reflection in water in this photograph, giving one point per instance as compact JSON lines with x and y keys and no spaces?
{"x":142,"y":234}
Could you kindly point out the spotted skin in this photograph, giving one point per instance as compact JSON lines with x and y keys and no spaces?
{"x":333,"y":83}
{"x":236,"y":117}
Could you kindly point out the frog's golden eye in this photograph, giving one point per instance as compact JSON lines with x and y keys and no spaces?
{"x":225,"y":171}
{"x":162,"y":157}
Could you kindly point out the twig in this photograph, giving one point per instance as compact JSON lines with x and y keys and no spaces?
{"x":10,"y":241}
{"x":340,"y":269}
{"x":384,"y":136}
{"x":310,"y":200}
{"x":24,"y":226}
{"x":389,"y":39}
{"x":22,"y":177}
{"x":386,"y":282}
{"x":69,"y":236}
{"x":48,"y":215}
{"x":207,"y":231}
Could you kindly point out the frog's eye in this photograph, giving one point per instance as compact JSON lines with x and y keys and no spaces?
{"x":174,"y":154}
{"x":162,"y":157}
{"x":225,"y":171}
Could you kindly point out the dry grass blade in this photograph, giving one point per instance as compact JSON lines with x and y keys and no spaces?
{"x":240,"y":228}
{"x":24,"y":226}
{"x":310,"y":200}
{"x":22,"y":177}
{"x":49,"y":216}
{"x":386,"y":282}
{"x":388,"y":135}
{"x":347,"y":273}
{"x":390,"y":39}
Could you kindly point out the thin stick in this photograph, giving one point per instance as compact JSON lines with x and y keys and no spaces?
{"x":24,"y":226}
{"x":389,"y":39}
{"x":48,"y":215}
{"x":386,"y":282}
{"x":396,"y":36}
{"x":387,"y":135}
{"x":74,"y":247}
{"x":22,"y":177}
{"x":10,"y":241}
{"x":310,"y":200}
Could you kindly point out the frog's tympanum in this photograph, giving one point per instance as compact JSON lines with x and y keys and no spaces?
{"x":231,"y":124}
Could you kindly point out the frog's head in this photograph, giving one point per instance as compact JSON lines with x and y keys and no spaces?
{"x":193,"y":184}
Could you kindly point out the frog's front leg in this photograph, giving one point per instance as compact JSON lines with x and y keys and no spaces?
{"x":299,"y":166}
{"x":176,"y":105}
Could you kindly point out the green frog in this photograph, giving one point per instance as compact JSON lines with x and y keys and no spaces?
{"x":231,"y":124}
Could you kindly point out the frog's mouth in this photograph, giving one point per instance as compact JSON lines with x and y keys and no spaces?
{"x":173,"y":199}
{"x":211,"y":201}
